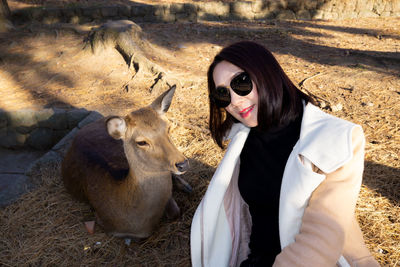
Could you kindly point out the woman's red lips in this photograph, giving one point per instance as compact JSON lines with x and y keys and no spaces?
{"x":246,"y":112}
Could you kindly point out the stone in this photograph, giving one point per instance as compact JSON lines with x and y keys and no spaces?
{"x":294,"y":5}
{"x":124,"y":11}
{"x":12,"y":186}
{"x":286,"y":14}
{"x":75,"y":116}
{"x":191,"y":8}
{"x":319,"y":14}
{"x":213,"y":10}
{"x":68,"y":12}
{"x":16,"y":160}
{"x":92,"y":12}
{"x":10,"y":138}
{"x":41,"y":138}
{"x":243,"y":10}
{"x":74,"y":19}
{"x":140,"y":10}
{"x":185,"y":17}
{"x":51,"y":15}
{"x":93,"y":116}
{"x":164,"y":14}
{"x":23,"y":120}
{"x":58,"y":135}
{"x":149,"y":18}
{"x":259,"y":6}
{"x":276,"y":6}
{"x":37,"y":13}
{"x":58,"y":120}
{"x":43,"y":115}
{"x":62,"y":146}
{"x":3,"y":119}
{"x":50,"y":20}
{"x":303,"y":15}
{"x":109,"y":11}
{"x":177,"y":8}
{"x":310,"y":4}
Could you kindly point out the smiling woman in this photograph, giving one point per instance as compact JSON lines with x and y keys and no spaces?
{"x":285,"y":192}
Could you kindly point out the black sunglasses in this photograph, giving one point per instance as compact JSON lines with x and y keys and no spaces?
{"x":241,"y":84}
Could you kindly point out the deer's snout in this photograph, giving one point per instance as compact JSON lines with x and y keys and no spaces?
{"x":182,"y":166}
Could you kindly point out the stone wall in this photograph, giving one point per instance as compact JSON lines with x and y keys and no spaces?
{"x":40,"y":129}
{"x":218,"y":11}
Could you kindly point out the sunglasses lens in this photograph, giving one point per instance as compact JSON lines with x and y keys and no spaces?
{"x":222,"y":97}
{"x":242,"y":84}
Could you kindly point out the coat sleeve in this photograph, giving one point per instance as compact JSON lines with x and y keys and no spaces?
{"x":328,"y":215}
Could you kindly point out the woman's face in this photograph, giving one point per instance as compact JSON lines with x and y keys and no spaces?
{"x":243,"y":108}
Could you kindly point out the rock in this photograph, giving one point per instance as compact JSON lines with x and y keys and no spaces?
{"x":303,"y":15}
{"x":10,"y":138}
{"x":3,"y":119}
{"x":109,"y":11}
{"x":141,"y":10}
{"x":23,"y":120}
{"x":62,"y":146}
{"x":286,"y":14}
{"x":93,"y":116}
{"x":242,"y":10}
{"x":124,"y":11}
{"x":57,"y":121}
{"x":12,"y":186}
{"x":92,"y":12}
{"x":41,"y":138}
{"x":44,"y":114}
{"x":213,"y":10}
{"x":75,"y":116}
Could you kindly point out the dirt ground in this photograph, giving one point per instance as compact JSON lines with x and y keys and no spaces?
{"x":352,"y":66}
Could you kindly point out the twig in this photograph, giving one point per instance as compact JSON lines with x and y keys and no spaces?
{"x":303,"y":86}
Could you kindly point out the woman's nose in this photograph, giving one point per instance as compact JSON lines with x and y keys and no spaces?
{"x":235,"y":98}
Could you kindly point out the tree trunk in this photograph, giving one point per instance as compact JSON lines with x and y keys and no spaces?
{"x":5,"y":13}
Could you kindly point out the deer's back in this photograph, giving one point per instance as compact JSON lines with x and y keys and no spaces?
{"x":93,"y":156}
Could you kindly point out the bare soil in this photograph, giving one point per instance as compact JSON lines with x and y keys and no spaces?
{"x":351,"y":66}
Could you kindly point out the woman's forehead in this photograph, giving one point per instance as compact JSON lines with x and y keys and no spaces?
{"x":223,"y":73}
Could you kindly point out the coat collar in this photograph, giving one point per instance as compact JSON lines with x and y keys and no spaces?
{"x":320,"y":133}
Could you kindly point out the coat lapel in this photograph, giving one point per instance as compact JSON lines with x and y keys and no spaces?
{"x":320,"y":133}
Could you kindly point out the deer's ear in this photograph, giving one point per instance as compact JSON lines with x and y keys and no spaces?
{"x":162,"y":103}
{"x":116,"y":127}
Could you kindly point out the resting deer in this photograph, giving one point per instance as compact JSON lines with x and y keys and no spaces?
{"x":122,"y":167}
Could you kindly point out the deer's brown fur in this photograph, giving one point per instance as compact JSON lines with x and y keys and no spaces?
{"x":122,"y":167}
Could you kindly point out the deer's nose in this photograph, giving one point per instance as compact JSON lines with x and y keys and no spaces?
{"x":182,"y":166}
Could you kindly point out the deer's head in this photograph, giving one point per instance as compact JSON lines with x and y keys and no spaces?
{"x":145,"y":134}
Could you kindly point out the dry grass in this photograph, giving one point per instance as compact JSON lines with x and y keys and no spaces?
{"x":45,"y":227}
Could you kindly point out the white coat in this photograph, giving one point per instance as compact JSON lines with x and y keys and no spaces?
{"x":221,"y":225}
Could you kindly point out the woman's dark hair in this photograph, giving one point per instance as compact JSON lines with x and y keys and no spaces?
{"x":280,"y":101}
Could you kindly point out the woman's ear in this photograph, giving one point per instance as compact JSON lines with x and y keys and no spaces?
{"x":116,"y":127}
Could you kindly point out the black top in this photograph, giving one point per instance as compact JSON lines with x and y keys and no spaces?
{"x":263,"y":161}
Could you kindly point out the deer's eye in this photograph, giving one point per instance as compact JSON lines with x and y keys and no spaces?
{"x":142,"y":143}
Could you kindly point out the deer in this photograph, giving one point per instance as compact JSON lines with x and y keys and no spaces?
{"x":123,"y":167}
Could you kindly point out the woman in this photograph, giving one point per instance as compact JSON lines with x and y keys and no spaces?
{"x":285,"y":192}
